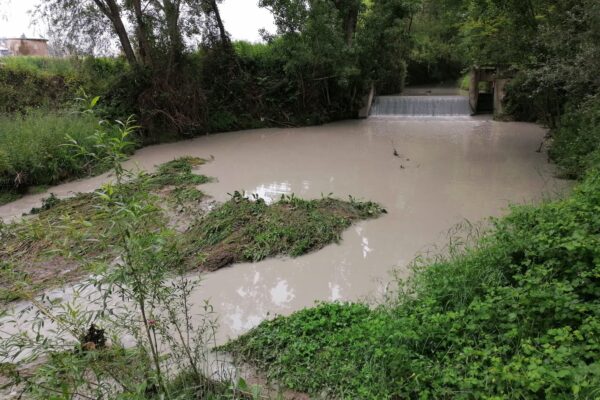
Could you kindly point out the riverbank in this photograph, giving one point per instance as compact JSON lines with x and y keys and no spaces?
{"x":429,"y":174}
{"x":512,"y":313}
{"x":450,"y":171}
{"x":515,"y":314}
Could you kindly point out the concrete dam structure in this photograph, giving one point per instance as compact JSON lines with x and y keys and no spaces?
{"x":421,"y":106}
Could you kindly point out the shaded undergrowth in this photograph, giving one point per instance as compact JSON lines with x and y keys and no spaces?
{"x":516,"y":315}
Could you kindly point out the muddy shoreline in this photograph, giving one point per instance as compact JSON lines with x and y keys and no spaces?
{"x":430,"y":174}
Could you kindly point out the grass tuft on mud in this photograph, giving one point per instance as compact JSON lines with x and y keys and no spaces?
{"x":68,"y":238}
{"x":178,"y":172}
{"x":516,"y":315}
{"x":244,"y":229}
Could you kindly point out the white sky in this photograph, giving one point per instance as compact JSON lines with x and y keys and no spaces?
{"x":242,"y":18}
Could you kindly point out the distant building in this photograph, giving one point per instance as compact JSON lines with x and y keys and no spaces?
{"x":23,"y":47}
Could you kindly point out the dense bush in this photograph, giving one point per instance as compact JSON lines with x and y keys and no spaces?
{"x":282,"y":83}
{"x":276,"y":84}
{"x":576,"y":141}
{"x":554,"y":45}
{"x":515,"y":316}
{"x":21,"y":89}
{"x":54,"y":83}
{"x":34,"y":148}
{"x":319,"y":66}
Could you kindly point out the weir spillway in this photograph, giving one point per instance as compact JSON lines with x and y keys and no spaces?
{"x":421,"y":106}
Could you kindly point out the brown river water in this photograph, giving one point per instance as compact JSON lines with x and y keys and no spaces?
{"x":446,"y":171}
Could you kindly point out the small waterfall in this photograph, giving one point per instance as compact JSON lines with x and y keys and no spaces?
{"x":432,"y":106}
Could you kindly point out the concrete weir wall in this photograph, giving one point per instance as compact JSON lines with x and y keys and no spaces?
{"x":487,"y":74}
{"x":499,"y":95}
{"x":367,"y":103}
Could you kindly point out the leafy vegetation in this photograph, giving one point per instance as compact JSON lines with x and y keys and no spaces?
{"x":73,"y":236}
{"x":42,"y":148}
{"x":50,"y":83}
{"x":250,"y":230}
{"x":150,"y":345}
{"x":516,"y":315}
{"x":21,"y":88}
{"x":140,"y":291}
{"x":576,"y":141}
{"x":317,"y":68}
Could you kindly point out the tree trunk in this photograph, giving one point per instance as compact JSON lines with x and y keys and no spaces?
{"x":111,"y":10}
{"x":350,"y":26}
{"x":222,"y":31}
{"x":172,"y":13}
{"x":348,"y":10}
{"x":143,"y":35}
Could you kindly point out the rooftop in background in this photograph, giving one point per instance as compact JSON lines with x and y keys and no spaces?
{"x":24,"y":38}
{"x":23,"y":47}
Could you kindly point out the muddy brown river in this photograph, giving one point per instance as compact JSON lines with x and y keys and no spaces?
{"x":446,"y":171}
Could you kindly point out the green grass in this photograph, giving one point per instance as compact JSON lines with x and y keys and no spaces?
{"x":517,"y":315}
{"x":51,"y":66}
{"x":88,"y":371}
{"x":70,"y":237}
{"x":33,"y":151}
{"x":245,"y":230}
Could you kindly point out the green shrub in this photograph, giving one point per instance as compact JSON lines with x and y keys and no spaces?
{"x":21,"y":89}
{"x":576,"y":142}
{"x":34,"y":82}
{"x":533,"y":97}
{"x":49,"y":66}
{"x":515,"y":316}
{"x":34,"y":150}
